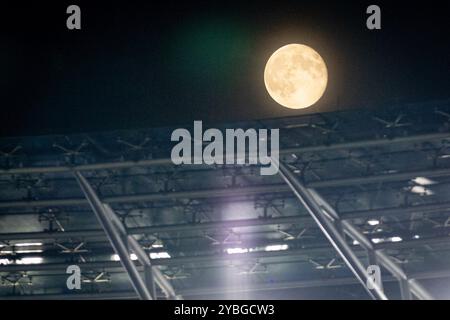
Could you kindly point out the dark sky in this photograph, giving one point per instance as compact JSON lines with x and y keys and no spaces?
{"x":153,"y":63}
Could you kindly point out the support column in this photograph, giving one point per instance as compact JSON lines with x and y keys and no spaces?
{"x":115,"y":237}
{"x":152,"y":272}
{"x":330,"y":231}
{"x":408,"y":286}
{"x":405,"y":290}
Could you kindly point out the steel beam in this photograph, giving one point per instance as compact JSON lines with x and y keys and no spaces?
{"x":150,"y":273}
{"x":331,"y":232}
{"x":405,"y":282}
{"x":217,"y":258}
{"x":194,"y":292}
{"x":230,"y":192}
{"x":167,"y":161}
{"x":321,"y":248}
{"x":115,"y":237}
{"x":304,"y":221}
{"x":302,"y":253}
{"x":406,"y":285}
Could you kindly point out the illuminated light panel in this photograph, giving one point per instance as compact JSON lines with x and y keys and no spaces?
{"x":277,"y":247}
{"x":115,"y":257}
{"x":373,"y":222}
{"x":157,"y":244}
{"x":153,"y":255}
{"x":30,"y":260}
{"x":159,"y":255}
{"x":423,"y":181}
{"x":237,"y":250}
{"x":396,"y":239}
{"x":421,"y":190}
{"x":28,"y":244}
{"x":29,"y":251}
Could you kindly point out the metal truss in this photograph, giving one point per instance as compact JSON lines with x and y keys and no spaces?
{"x":332,"y":226}
{"x":302,"y":220}
{"x":123,"y":190}
{"x":168,"y":161}
{"x":234,"y":192}
{"x":193,"y":293}
{"x":121,"y":241}
{"x":300,"y":254}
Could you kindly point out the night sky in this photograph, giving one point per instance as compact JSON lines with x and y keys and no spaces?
{"x":148,"y":63}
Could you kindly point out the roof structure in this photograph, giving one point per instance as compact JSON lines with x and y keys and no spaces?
{"x":225,"y":231}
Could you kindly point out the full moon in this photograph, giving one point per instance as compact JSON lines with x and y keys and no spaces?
{"x":296,"y":76}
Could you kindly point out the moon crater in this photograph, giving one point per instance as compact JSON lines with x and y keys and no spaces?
{"x":296,"y":76}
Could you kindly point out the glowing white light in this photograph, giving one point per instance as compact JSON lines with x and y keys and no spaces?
{"x":423,"y":181}
{"x":115,"y":257}
{"x":30,"y":260}
{"x":157,"y":245}
{"x":29,"y":251}
{"x":396,"y":239}
{"x":237,"y":250}
{"x":28,"y":244}
{"x":373,"y":222}
{"x":4,"y":261}
{"x":355,"y":242}
{"x":422,"y":190}
{"x":418,"y":189}
{"x":377,"y":240}
{"x":159,"y":255}
{"x":416,"y":236}
{"x":276,"y":247}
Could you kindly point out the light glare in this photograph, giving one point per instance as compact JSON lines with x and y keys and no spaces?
{"x":423,"y":181}
{"x":237,"y":250}
{"x":277,"y":247}
{"x":396,"y":239}
{"x":115,"y":257}
{"x":159,"y":255}
{"x":30,"y":260}
{"x":28,"y":244}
